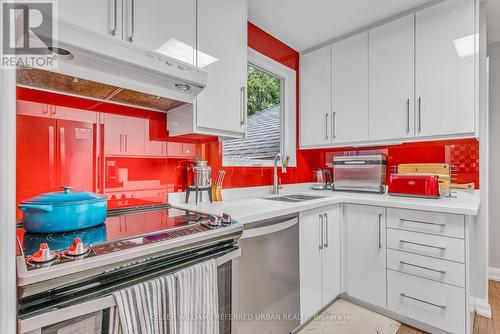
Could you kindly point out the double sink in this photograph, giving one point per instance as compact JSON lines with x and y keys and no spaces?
{"x":294,"y":198}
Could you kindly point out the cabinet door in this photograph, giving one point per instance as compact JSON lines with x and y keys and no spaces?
{"x":350,"y":89}
{"x":331,"y":254}
{"x":101,"y":16}
{"x":134,"y":135}
{"x":188,"y":150}
{"x":391,"y":64}
{"x":113,"y":134}
{"x":29,"y":108}
{"x":174,"y":149}
{"x":73,"y":114}
{"x":310,"y":250}
{"x":153,"y":148}
{"x":315,"y":97}
{"x":366,"y":253}
{"x":164,"y":26}
{"x":222,"y":40}
{"x":445,"y":47}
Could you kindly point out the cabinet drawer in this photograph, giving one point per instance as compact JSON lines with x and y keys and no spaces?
{"x":425,"y":244}
{"x":427,"y":267}
{"x":437,"y":304}
{"x":427,"y":222}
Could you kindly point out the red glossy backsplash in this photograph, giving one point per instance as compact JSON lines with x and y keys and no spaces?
{"x":44,"y":163}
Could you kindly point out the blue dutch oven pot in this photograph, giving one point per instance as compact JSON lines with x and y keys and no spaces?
{"x":63,"y":211}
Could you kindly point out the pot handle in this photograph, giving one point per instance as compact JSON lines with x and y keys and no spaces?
{"x":46,"y":208}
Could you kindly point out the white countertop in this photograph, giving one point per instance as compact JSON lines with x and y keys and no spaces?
{"x":247,"y":205}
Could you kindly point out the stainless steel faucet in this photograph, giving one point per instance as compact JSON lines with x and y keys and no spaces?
{"x":284,"y":164}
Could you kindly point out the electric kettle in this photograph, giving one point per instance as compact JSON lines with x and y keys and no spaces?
{"x":322,"y":179}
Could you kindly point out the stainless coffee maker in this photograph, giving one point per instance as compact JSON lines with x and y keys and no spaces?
{"x":199,"y":179}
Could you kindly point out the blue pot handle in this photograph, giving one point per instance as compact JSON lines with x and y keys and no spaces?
{"x":46,"y":208}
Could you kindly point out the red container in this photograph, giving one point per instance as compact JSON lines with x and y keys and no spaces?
{"x":426,"y":186}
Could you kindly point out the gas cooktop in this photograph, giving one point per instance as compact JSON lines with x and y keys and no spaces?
{"x":126,"y":231}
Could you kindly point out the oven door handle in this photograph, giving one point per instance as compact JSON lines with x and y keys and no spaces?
{"x":53,"y":317}
{"x":268,"y":229}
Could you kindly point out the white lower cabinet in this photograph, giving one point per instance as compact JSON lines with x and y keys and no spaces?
{"x":410,"y":262}
{"x":320,"y":257}
{"x":426,"y":268}
{"x":436,"y":304}
{"x":365,"y":253}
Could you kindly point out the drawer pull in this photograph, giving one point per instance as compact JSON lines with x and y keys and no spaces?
{"x":420,"y":244}
{"x":422,"y":267}
{"x":443,"y":307}
{"x":421,"y":222}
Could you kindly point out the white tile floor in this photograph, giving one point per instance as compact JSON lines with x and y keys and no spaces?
{"x":343,"y":317}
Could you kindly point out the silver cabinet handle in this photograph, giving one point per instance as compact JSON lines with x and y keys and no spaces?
{"x":325,"y":222}
{"x":62,"y":150}
{"x":422,"y":267}
{"x":422,"y":301}
{"x":420,"y":244}
{"x":326,"y":126}
{"x":419,"y":114}
{"x":51,"y":156}
{"x":126,"y":143}
{"x":407,"y":116}
{"x":132,"y":21}
{"x":242,"y":105}
{"x":115,"y":18}
{"x":421,"y":222}
{"x":379,"y":230}
{"x":320,"y":231}
{"x":334,"y":125}
{"x":121,"y":143}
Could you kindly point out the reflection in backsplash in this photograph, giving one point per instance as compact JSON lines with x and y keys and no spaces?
{"x":121,"y":152}
{"x":131,"y":159}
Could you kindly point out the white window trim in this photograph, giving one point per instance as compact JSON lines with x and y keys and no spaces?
{"x":288,"y":110}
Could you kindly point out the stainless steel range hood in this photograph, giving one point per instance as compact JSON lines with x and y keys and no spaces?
{"x":108,"y":69}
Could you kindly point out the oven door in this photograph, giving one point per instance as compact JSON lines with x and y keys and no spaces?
{"x":92,"y":316}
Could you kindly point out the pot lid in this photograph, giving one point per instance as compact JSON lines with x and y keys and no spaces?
{"x":65,"y":197}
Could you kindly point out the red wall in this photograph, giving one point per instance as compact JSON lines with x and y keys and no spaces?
{"x":171,"y":171}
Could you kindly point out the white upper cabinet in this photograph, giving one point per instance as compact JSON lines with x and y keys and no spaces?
{"x":445,"y":58}
{"x":101,"y":16}
{"x":350,"y":89}
{"x":164,"y":26}
{"x":315,"y":93}
{"x":220,"y":109}
{"x":222,"y":51}
{"x":391,"y":77}
{"x":410,"y":79}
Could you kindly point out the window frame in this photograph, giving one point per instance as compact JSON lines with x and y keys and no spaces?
{"x":288,"y":106}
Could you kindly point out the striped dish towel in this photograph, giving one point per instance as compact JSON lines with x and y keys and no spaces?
{"x":146,"y":308}
{"x":197,"y":297}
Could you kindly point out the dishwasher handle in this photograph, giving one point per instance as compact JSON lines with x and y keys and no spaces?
{"x":269,"y":229}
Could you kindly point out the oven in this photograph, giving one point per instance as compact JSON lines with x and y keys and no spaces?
{"x":82,"y":303}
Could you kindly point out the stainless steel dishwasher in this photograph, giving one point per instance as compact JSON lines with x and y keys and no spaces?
{"x":268,"y":277}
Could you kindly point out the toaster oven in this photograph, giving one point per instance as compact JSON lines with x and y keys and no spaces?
{"x":360,"y":173}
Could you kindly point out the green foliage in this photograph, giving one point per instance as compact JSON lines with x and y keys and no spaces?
{"x":263,"y":90}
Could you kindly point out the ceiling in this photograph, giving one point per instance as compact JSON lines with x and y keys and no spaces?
{"x":493,"y":21}
{"x":306,"y":24}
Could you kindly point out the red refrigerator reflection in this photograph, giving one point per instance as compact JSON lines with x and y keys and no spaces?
{"x":46,"y":159}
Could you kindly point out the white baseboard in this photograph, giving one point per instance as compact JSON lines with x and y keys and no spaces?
{"x":483,"y":307}
{"x":494,"y":274}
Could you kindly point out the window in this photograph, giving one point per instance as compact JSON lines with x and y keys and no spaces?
{"x":270,"y":115}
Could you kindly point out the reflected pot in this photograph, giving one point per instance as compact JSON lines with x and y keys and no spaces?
{"x":63,"y":211}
